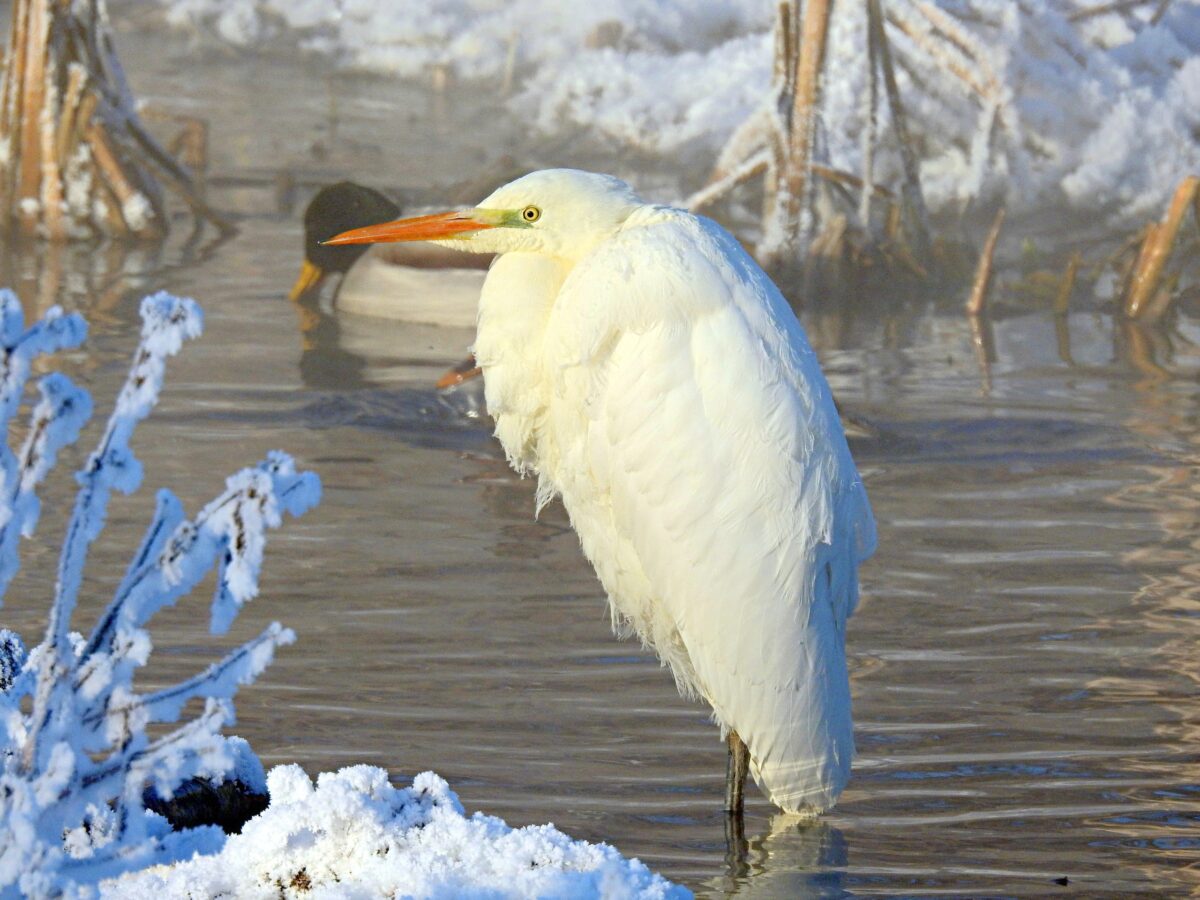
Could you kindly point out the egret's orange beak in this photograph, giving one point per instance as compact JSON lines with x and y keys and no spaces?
{"x":419,"y":228}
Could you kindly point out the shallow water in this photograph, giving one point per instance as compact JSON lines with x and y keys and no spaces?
{"x":1024,"y":659}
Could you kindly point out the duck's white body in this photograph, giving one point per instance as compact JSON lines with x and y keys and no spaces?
{"x":377,"y":286}
{"x":661,"y":385}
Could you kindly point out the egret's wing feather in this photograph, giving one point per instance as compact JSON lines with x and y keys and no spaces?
{"x":711,"y":485}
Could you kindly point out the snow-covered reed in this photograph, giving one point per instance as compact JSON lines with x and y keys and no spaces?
{"x":77,"y":757}
{"x":1035,"y":102}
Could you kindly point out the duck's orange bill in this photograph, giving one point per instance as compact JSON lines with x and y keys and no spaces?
{"x":418,"y":228}
{"x":310,"y":278}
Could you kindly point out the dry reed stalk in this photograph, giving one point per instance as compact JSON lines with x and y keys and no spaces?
{"x":914,"y":202}
{"x":52,"y":184}
{"x":983,"y":340}
{"x":848,"y":179}
{"x":814,"y":30}
{"x":1062,"y":300}
{"x":72,"y":104}
{"x":758,"y":165}
{"x":870,"y":130}
{"x":895,"y":223}
{"x":773,"y":122}
{"x":119,"y":189}
{"x":986,"y":87}
{"x":1156,"y":250}
{"x":776,"y":142}
{"x":1105,"y":8}
{"x":1142,"y":350}
{"x":1161,"y":301}
{"x":190,"y":146}
{"x":32,"y":99}
{"x":715,"y":190}
{"x":1062,"y":338}
{"x":1113,"y":260}
{"x":9,"y":113}
{"x":65,"y":112}
{"x":1163,"y":6}
{"x":977,"y":302}
{"x":951,"y":29}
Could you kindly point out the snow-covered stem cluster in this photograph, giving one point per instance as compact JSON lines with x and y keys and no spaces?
{"x":75,"y":160}
{"x":76,"y":765}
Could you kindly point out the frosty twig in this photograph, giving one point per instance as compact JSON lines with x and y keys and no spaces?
{"x":75,"y":758}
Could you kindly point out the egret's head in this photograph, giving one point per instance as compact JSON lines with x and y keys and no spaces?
{"x":559,"y":212}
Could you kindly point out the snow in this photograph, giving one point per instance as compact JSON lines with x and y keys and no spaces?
{"x":1097,"y":115}
{"x":355,"y":835}
{"x":76,"y":758}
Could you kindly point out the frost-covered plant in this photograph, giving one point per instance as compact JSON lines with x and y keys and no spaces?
{"x":73,"y":731}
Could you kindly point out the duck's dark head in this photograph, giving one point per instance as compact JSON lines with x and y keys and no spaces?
{"x":337,"y":208}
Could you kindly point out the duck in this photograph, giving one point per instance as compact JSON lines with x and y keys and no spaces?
{"x":426,"y":285}
{"x":412,"y":285}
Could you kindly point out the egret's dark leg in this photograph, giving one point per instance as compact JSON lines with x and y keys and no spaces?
{"x":736,"y":848}
{"x":735,"y":775}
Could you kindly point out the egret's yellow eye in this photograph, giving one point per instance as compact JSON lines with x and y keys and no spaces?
{"x":531,"y":214}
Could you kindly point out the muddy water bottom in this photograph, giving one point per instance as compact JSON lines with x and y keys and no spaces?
{"x":1024,"y":658}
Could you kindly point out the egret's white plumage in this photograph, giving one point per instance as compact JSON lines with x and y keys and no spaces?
{"x":646,"y":369}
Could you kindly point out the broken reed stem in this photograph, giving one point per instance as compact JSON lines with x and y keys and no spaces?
{"x":805,"y":104}
{"x":1156,"y":250}
{"x":108,"y":170}
{"x":783,"y":87}
{"x":914,"y":202}
{"x":1062,"y":300}
{"x":72,"y":104}
{"x":870,"y":130}
{"x":715,"y":190}
{"x":977,"y":302}
{"x":758,"y":165}
{"x":985,"y":87}
{"x":951,"y":29}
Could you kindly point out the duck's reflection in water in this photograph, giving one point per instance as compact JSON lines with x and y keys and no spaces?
{"x":792,"y":857}
{"x":343,"y":351}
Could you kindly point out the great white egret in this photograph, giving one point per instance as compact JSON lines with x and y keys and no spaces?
{"x":643,"y":366}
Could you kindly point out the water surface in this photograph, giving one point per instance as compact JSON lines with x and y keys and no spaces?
{"x":1024,"y":659}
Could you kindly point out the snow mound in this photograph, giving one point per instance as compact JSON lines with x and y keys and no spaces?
{"x":354,"y":835}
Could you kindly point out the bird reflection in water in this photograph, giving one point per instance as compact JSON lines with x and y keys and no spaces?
{"x":794,"y":857}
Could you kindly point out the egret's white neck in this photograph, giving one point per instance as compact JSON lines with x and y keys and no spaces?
{"x":514,"y":307}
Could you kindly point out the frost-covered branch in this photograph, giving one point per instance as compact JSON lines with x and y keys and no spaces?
{"x":77,"y":759}
{"x":166,"y":322}
{"x":56,"y":420}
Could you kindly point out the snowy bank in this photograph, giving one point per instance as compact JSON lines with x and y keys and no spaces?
{"x":354,"y":835}
{"x":1042,"y":102}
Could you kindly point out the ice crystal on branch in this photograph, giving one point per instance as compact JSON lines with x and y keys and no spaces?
{"x":77,"y":760}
